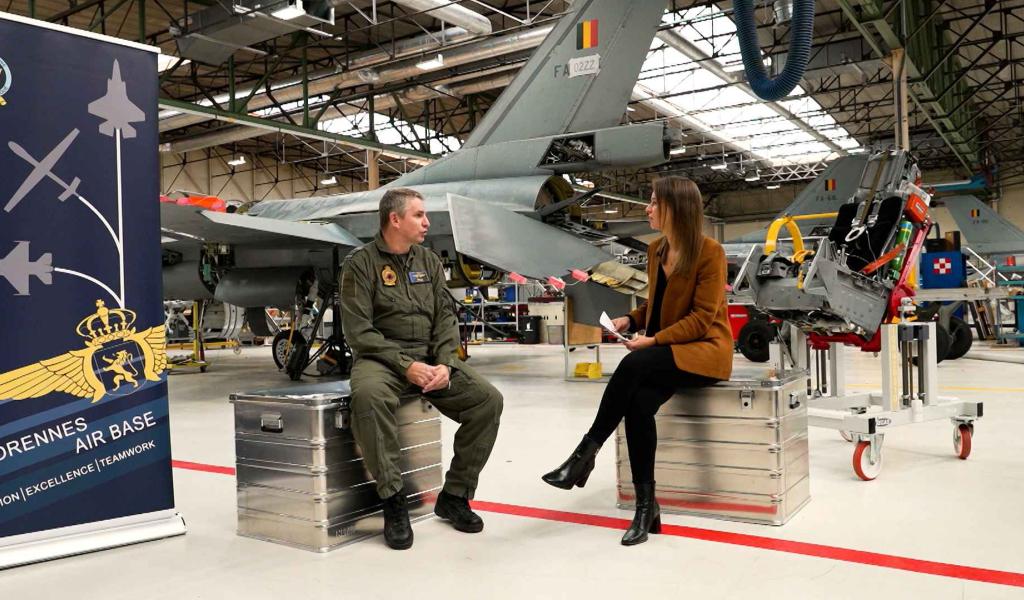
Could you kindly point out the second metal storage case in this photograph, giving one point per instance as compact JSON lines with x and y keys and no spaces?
{"x":736,"y":450}
{"x":301,"y":479}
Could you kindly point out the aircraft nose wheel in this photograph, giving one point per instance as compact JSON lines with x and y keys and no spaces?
{"x":282,"y":349}
{"x":867,"y":461}
{"x":963,"y":434}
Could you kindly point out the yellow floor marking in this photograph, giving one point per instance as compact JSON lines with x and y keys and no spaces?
{"x":948,"y":387}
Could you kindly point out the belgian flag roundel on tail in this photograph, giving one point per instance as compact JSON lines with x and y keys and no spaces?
{"x":586,"y":34}
{"x":830,"y":185}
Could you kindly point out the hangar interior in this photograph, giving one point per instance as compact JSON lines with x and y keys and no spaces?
{"x":300,"y":99}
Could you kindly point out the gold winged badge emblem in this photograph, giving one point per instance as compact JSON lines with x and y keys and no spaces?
{"x":112,"y":347}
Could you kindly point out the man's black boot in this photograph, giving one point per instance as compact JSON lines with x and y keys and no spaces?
{"x":397,"y":529}
{"x":456,"y":510}
{"x":576,"y":469}
{"x":647,"y":517}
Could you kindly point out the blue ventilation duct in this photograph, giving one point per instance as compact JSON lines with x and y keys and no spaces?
{"x":801,"y":33}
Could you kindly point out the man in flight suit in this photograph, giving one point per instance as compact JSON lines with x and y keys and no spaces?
{"x":398,"y":319}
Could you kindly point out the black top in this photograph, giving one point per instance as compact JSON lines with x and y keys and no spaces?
{"x":654,"y":321}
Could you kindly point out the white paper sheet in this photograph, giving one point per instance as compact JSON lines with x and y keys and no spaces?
{"x":606,"y":322}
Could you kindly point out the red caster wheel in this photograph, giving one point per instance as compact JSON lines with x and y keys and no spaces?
{"x":962,"y":435}
{"x":863,"y":465}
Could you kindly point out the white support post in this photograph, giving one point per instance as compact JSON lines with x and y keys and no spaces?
{"x":799,"y":349}
{"x":892,"y":374}
{"x":777,"y":359}
{"x":930,"y":365}
{"x":836,"y":370}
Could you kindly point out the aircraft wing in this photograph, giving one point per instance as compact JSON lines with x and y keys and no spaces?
{"x":512,"y":242}
{"x":984,"y":229}
{"x":189,"y":227}
{"x":30,"y":182}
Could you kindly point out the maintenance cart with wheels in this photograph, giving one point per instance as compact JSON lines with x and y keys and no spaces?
{"x":855,"y":287}
{"x":909,"y":394}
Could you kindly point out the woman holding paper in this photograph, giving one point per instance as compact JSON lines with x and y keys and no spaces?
{"x":686,"y":342}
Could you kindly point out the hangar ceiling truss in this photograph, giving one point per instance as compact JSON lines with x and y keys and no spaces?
{"x":342,"y":88}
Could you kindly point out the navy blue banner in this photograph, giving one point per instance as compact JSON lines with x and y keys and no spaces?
{"x":84,"y":432}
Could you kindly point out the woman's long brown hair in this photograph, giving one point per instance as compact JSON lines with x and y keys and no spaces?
{"x":682,"y":219}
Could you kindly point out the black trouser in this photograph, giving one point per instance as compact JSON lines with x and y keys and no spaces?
{"x":643,"y":381}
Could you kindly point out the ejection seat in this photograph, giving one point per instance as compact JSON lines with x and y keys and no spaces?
{"x":844,"y":288}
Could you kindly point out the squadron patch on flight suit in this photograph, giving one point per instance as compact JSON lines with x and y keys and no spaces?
{"x":388,"y":276}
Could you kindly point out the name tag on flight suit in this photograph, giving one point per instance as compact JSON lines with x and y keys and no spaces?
{"x":418,"y":277}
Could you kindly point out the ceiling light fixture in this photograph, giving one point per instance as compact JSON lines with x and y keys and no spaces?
{"x":772,"y":186}
{"x":752,"y":176}
{"x":676,"y":151}
{"x":237,"y":161}
{"x":332,"y":180}
{"x":431,"y":63}
{"x":719,"y":166}
{"x":289,"y":11}
{"x":166,"y":61}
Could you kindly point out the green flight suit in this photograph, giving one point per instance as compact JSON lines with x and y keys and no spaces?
{"x":396,"y":310}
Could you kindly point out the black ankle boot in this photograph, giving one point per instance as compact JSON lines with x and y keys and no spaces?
{"x":576,"y":469}
{"x":397,"y":529}
{"x":647,"y":517}
{"x":456,"y":510}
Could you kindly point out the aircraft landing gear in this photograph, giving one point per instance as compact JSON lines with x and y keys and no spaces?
{"x":292,"y":348}
{"x":283,"y":343}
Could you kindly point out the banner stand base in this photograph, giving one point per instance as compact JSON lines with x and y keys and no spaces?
{"x":89,"y":537}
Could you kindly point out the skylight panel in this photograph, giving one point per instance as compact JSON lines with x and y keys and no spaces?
{"x":729,"y":111}
{"x":401,"y":133}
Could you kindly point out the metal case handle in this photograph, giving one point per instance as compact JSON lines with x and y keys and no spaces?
{"x":271,"y":423}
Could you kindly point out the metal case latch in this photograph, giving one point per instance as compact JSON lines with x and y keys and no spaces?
{"x":795,"y":399}
{"x":746,"y":399}
{"x":342,"y":418}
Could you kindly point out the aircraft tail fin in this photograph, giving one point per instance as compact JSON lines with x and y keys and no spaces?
{"x":985,"y":231}
{"x":836,"y":186}
{"x":44,"y":268}
{"x":580,"y":78}
{"x":71,"y":190}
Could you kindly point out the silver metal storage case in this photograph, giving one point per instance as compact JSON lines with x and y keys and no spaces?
{"x":736,"y":450}
{"x":301,"y":479}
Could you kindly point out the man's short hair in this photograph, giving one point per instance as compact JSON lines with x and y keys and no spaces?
{"x":395,"y":201}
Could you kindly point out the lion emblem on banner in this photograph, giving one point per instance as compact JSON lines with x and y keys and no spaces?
{"x":114,"y":360}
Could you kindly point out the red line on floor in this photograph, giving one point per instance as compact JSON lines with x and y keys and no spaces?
{"x":888,"y":561}
{"x":766,"y":543}
{"x":194,"y":466}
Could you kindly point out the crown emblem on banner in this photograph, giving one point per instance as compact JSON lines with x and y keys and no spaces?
{"x":106,"y":324}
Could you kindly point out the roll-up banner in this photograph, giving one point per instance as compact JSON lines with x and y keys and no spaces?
{"x":85,"y":456}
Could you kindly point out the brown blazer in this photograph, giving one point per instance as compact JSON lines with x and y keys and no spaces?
{"x":694,"y":315}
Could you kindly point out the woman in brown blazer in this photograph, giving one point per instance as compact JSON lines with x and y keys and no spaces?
{"x":686,"y":342}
